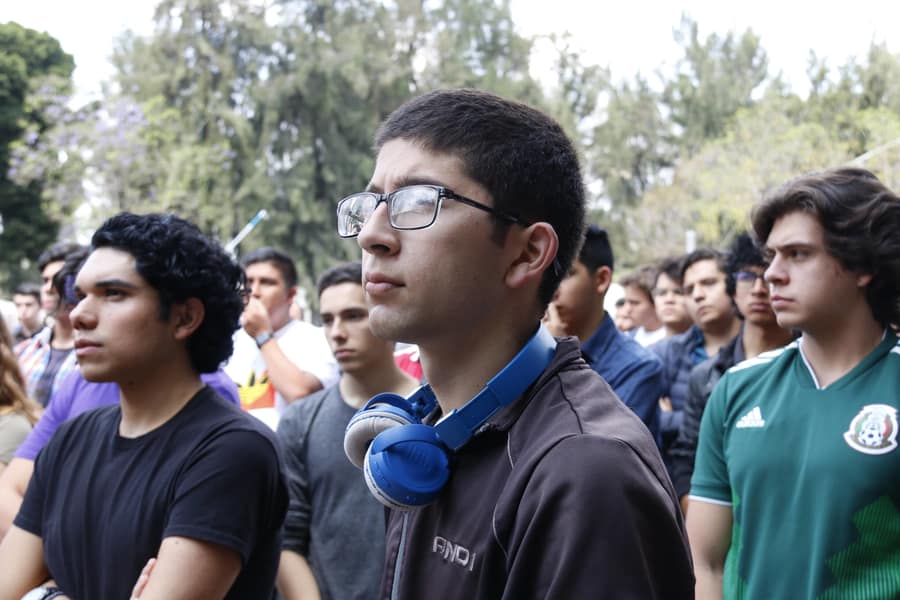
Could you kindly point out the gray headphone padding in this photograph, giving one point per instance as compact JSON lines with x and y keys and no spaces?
{"x":360,"y":434}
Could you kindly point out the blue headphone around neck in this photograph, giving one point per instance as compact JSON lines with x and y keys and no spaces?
{"x":405,"y":462}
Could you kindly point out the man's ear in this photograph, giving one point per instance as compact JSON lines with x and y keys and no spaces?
{"x":187,"y":317}
{"x":602,"y":279}
{"x":536,"y":246}
{"x":291,"y":292}
{"x":863,"y":279}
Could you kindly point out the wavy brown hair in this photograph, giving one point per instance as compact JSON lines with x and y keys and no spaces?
{"x":13,"y":397}
{"x":860,"y":218}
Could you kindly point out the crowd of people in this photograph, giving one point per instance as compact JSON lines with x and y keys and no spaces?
{"x":169,"y":429}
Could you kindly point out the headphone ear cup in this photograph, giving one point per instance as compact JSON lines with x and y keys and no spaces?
{"x":407,"y":466}
{"x":367,"y":424}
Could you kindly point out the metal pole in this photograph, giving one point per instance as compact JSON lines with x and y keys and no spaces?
{"x":233,"y":244}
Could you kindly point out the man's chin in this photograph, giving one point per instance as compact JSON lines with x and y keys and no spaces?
{"x":388,"y":326}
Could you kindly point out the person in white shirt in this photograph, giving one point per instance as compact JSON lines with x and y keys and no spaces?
{"x":276,"y":359}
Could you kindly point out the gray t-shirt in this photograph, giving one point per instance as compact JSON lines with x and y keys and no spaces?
{"x":333,"y":520}
{"x":14,"y":428}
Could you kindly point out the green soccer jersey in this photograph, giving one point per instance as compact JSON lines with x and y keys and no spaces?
{"x":812,"y":476}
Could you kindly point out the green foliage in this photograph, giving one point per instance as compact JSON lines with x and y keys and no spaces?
{"x":714,"y":78}
{"x":29,"y":62}
{"x":233,"y":106}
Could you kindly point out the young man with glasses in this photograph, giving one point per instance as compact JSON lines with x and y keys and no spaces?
{"x":759,"y":333}
{"x":795,"y":492}
{"x":473,"y":215}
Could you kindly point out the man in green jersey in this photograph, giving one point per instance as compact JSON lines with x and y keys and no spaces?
{"x":795,"y":492}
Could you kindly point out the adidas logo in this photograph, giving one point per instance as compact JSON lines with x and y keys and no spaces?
{"x":751,"y":419}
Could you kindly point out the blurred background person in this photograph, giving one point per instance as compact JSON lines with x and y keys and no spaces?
{"x":27,"y":298}
{"x":638,"y":288}
{"x":668,"y":298}
{"x":17,"y":412}
{"x":48,"y":357}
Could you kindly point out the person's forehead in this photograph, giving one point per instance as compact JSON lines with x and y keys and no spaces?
{"x":632,"y":290}
{"x":24,"y":298}
{"x":106,"y":264}
{"x":703,"y":268}
{"x":751,"y":268}
{"x":341,"y":297}
{"x":263,"y":269}
{"x":401,"y":162}
{"x":795,"y":228}
{"x":52,"y":267}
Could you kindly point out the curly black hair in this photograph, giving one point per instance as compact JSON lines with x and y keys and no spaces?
{"x":860,"y":218}
{"x":180,"y":262}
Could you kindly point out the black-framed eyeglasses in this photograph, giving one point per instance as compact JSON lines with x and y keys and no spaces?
{"x":411,"y":207}
{"x":748,"y":277}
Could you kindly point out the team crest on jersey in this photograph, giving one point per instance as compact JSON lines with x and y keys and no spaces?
{"x":873,"y":430}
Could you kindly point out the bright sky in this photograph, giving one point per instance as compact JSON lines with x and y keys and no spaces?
{"x":628,"y":36}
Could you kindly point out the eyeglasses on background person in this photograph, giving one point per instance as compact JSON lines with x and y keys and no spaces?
{"x":748,"y":277}
{"x":411,"y":207}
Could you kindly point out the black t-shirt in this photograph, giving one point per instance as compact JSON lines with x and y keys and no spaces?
{"x":102,"y":504}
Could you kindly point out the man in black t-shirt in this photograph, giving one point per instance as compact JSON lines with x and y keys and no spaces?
{"x":172,"y":472}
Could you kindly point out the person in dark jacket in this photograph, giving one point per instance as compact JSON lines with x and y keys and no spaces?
{"x":703,"y":275}
{"x":633,"y":372}
{"x":759,"y":333}
{"x":473,"y":215}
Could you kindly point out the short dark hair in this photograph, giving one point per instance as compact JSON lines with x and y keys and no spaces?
{"x":860,"y":218}
{"x":522,"y":157}
{"x":55,"y":253}
{"x":349,"y":272}
{"x":703,"y":254}
{"x":595,"y":250}
{"x":643,"y":278}
{"x":280,"y":260}
{"x":743,"y":252}
{"x":64,"y":280}
{"x":671,"y":267}
{"x":176,"y":259}
{"x":28,"y":288}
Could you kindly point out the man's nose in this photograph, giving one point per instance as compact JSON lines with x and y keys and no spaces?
{"x":377,"y":236}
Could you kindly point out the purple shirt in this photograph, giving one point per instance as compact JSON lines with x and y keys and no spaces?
{"x":76,"y":395}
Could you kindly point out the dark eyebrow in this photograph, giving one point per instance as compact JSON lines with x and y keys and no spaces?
{"x":116,"y":283}
{"x":406,"y":182}
{"x":793,"y":246}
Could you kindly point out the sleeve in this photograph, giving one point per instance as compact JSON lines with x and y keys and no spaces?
{"x":670,"y":423}
{"x":231,"y":493}
{"x":710,"y":478}
{"x":31,"y":512}
{"x":56,"y":413}
{"x":640,"y":390}
{"x":14,"y":428}
{"x":684,"y":449}
{"x":292,"y":435}
{"x":595,"y":501}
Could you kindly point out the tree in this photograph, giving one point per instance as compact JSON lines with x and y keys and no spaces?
{"x":28,"y":61}
{"x":716,"y":77}
{"x":712,"y":192}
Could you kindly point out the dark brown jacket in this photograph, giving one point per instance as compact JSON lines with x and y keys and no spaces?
{"x":561,"y":495}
